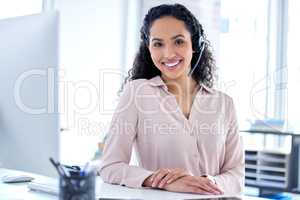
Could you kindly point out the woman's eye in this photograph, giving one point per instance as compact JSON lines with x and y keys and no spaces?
{"x":179,"y":42}
{"x":157,"y":44}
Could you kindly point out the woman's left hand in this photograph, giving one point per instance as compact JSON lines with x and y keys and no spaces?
{"x":166,"y":176}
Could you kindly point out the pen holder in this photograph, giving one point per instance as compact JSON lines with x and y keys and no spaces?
{"x":77,"y":187}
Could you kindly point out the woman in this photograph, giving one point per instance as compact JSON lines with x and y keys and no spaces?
{"x":185,"y":133}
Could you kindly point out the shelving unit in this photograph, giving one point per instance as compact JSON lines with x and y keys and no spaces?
{"x":274,"y":169}
{"x":267,"y":169}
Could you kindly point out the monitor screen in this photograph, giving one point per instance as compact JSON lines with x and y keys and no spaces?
{"x":29,"y":121}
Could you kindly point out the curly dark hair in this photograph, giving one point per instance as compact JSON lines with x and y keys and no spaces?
{"x":143,"y":66}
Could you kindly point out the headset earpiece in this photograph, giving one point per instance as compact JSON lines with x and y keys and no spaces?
{"x":201,"y":49}
{"x":201,"y":43}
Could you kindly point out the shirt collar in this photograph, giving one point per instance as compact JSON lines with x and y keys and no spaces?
{"x":207,"y":89}
{"x":157,"y":81}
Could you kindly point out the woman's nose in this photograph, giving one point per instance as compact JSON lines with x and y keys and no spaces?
{"x":169,"y":52}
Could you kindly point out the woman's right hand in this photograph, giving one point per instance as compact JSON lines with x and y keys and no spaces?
{"x":164,"y":176}
{"x":194,"y":184}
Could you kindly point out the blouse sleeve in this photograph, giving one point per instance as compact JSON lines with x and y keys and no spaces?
{"x":232,"y":177}
{"x":114,"y":167}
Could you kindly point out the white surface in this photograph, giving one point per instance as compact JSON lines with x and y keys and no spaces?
{"x":92,"y":53}
{"x":21,"y":191}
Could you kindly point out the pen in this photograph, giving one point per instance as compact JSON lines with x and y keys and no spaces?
{"x":61,"y":171}
{"x":65,"y":171}
{"x":83,"y":171}
{"x":56,"y":167}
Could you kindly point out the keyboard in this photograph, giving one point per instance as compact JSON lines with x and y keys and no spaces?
{"x":47,"y":185}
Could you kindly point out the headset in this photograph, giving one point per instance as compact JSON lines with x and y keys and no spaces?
{"x":202,"y":46}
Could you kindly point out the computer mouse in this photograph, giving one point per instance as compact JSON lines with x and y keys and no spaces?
{"x":16,"y":178}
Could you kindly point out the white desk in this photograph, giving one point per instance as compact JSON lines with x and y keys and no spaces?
{"x":21,"y":191}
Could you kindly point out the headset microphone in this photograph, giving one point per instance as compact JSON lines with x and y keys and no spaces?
{"x":202,"y":45}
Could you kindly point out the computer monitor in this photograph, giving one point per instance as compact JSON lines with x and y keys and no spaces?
{"x":29,"y":120}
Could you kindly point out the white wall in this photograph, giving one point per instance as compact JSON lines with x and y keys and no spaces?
{"x":92,"y":56}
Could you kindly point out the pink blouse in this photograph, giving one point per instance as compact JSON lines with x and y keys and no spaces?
{"x":149,"y":119}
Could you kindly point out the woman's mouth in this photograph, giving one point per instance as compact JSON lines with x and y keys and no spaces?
{"x":171,"y":65}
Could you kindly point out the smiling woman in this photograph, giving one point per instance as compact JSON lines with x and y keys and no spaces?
{"x":190,"y":31}
{"x":171,"y":51}
{"x":184,"y":131}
